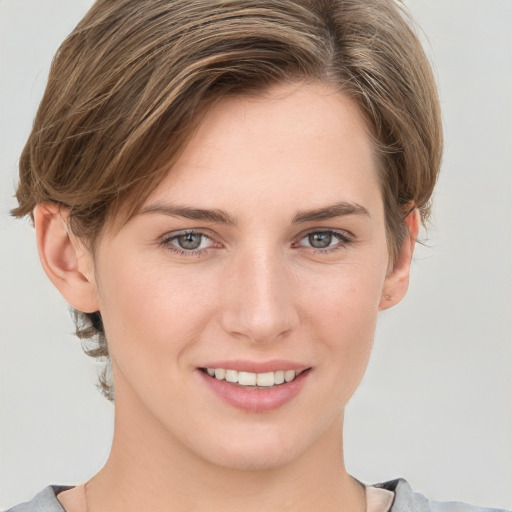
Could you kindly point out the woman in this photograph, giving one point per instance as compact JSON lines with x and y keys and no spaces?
{"x":228,"y":194}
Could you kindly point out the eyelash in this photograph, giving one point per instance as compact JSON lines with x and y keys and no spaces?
{"x":167,"y":240}
{"x":344,"y":239}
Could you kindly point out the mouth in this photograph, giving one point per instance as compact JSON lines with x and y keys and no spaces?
{"x":255,"y":392}
{"x":250,"y":380}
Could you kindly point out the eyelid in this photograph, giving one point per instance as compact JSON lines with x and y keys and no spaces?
{"x":179,"y":232}
{"x":342,"y":232}
{"x":344,"y":238}
{"x":167,"y":239}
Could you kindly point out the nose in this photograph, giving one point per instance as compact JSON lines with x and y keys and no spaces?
{"x":258,"y":298}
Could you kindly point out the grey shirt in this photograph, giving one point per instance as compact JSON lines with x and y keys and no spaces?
{"x":406,"y":500}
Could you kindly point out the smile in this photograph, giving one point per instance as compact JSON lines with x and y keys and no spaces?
{"x":253,"y":391}
{"x":253,"y":380}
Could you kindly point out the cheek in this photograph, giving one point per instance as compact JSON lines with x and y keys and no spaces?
{"x":342,"y":315}
{"x":151,"y":314}
{"x":347,"y":298}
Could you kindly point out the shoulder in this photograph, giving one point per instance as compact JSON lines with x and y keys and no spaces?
{"x":45,"y":501}
{"x":406,"y":500}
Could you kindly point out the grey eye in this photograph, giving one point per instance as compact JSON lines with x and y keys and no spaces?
{"x":189,"y":241}
{"x":320,"y":240}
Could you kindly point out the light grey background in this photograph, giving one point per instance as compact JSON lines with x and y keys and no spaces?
{"x":436,"y":403}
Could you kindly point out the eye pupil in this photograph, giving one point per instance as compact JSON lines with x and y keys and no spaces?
{"x":320,"y":240}
{"x":190,"y":241}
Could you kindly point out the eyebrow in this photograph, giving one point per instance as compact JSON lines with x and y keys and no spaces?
{"x":330,"y":212}
{"x":221,"y":217}
{"x":216,"y":216}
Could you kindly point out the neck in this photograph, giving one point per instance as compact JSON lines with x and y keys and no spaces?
{"x":149,"y":469}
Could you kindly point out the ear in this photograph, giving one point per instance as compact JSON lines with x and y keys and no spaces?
{"x":397,"y":280}
{"x":66,"y":261}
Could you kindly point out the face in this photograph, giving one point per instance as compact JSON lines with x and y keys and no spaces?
{"x":261,"y":258}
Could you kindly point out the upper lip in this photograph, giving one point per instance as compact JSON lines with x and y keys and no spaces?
{"x":273,"y":365}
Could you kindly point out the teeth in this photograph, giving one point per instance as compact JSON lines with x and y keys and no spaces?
{"x":231,"y":375}
{"x":289,"y":375}
{"x":266,"y":379}
{"x":279,"y":377}
{"x":247,"y":379}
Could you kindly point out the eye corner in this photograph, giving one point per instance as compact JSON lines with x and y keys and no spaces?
{"x":326,"y":237}
{"x":188,"y":242}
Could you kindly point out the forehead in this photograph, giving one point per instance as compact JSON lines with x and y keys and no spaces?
{"x":291,"y":136}
{"x":282,"y":117}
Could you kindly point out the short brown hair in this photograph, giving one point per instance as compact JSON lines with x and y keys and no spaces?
{"x":128,"y":84}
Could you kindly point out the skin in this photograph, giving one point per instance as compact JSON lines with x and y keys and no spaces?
{"x":255,"y":290}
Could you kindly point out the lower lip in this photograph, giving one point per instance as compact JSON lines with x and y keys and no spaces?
{"x":256,"y":400}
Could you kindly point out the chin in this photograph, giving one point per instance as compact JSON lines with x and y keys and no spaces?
{"x":255,"y":452}
{"x":253,"y":460}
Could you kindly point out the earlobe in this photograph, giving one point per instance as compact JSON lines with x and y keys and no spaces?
{"x":397,"y":280}
{"x":66,"y":261}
